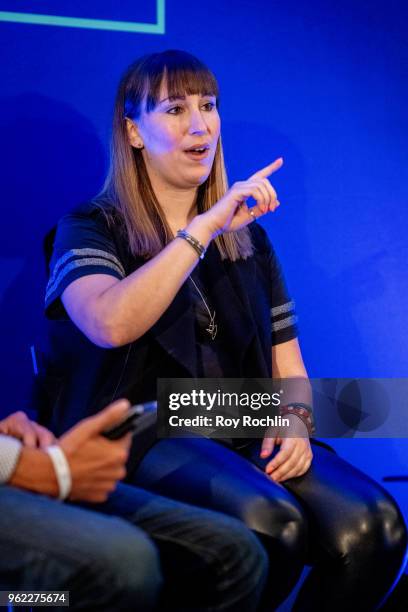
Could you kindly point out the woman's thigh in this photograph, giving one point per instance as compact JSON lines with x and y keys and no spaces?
{"x":356,"y":530}
{"x":353,"y":528}
{"x":205,"y":473}
{"x":333,"y":494}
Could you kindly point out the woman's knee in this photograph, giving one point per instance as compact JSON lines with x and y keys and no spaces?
{"x":391,"y":527}
{"x":279,"y":519}
{"x":376,"y":533}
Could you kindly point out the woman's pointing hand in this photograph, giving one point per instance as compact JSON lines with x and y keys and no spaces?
{"x":231,"y":212}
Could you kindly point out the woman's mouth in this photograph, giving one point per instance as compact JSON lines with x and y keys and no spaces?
{"x":198,"y":153}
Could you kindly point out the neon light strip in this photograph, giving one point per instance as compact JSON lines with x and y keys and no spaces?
{"x":34,"y":360}
{"x":93,"y":24}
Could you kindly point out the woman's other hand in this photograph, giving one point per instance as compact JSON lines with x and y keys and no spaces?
{"x":231,"y":213}
{"x":295,"y":455}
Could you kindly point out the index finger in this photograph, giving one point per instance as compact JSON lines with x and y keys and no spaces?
{"x":268,"y":170}
{"x":284,"y":454}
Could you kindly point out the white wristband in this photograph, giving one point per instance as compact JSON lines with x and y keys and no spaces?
{"x":62,"y":470}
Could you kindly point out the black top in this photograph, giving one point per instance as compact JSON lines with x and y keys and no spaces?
{"x":214,"y":358}
{"x":253,"y":312}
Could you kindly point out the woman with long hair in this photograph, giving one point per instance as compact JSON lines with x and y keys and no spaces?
{"x":165,"y":274}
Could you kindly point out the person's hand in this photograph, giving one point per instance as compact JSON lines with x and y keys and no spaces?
{"x":18,"y":425}
{"x":96,"y":463}
{"x":295,"y":455}
{"x":231,"y":212}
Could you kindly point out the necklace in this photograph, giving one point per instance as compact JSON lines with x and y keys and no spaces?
{"x":212,"y":326}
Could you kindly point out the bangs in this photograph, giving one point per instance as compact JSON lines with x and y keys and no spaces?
{"x":182,"y":73}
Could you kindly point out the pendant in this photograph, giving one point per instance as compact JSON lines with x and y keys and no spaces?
{"x":212,"y":327}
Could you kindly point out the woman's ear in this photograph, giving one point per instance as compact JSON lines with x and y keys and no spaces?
{"x":134,"y":137}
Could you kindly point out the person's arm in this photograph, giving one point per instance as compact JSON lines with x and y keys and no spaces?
{"x":295,"y":455}
{"x":96,"y":463}
{"x":113,"y":312}
{"x":10,"y":450}
{"x":287,"y":360}
{"x":34,"y":472}
{"x":21,"y":462}
{"x":288,"y":365}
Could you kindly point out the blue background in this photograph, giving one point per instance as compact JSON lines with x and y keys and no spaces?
{"x":322,"y":84}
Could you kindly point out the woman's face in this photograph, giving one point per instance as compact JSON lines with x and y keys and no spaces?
{"x":169,"y":133}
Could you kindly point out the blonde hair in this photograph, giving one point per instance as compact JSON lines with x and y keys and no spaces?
{"x":127,"y":186}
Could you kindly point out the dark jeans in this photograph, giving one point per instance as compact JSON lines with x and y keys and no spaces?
{"x":334,"y":517}
{"x":208,"y":561}
{"x":104,"y":562}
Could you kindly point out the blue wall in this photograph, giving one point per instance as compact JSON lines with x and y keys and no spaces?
{"x":322,"y":84}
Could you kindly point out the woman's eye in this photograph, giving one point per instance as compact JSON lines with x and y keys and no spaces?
{"x":174,"y":110}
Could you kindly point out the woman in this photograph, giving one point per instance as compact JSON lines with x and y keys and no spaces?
{"x":131,"y":301}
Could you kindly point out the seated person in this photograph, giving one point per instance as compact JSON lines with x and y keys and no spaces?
{"x":166,"y":274}
{"x":126,"y":548}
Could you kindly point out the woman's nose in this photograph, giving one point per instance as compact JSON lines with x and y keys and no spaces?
{"x":197,"y":123}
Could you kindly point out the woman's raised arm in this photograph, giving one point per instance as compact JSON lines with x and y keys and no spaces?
{"x":113,"y":312}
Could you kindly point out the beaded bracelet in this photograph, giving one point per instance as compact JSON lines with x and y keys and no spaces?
{"x":197,"y":246}
{"x":303,"y":411}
